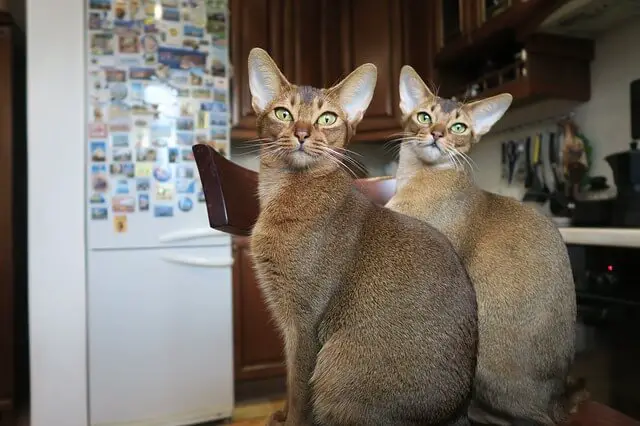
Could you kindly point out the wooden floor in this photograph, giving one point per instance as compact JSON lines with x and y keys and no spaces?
{"x":255,"y":413}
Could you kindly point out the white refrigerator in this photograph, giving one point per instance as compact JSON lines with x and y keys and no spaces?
{"x":159,"y":279}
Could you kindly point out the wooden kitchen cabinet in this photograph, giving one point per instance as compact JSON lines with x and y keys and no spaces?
{"x":7,"y":273}
{"x":319,"y":42}
{"x":14,"y":368}
{"x":258,"y":346}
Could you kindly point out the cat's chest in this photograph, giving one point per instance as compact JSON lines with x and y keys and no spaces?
{"x":284,"y":262}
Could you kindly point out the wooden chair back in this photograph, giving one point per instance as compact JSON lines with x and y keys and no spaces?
{"x":231,"y":191}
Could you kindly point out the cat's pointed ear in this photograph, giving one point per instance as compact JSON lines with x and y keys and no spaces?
{"x":266,"y":81}
{"x":486,"y":112}
{"x":355,"y":92}
{"x":413,"y":90}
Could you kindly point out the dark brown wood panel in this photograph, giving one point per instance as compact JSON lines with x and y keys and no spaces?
{"x":258,"y":348}
{"x":7,"y":275}
{"x":375,"y":36}
{"x":419,"y":37}
{"x":257,"y":23}
{"x":319,"y":42}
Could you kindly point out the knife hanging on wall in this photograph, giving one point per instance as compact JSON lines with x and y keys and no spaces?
{"x":528,"y":180}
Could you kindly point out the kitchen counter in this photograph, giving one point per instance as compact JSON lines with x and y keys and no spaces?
{"x":618,"y":237}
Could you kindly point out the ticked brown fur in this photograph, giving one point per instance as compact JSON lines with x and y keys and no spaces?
{"x":515,"y":257}
{"x":377,"y":312}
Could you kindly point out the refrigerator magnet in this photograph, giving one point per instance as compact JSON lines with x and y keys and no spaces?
{"x":185,"y":204}
{"x":122,"y":169}
{"x":97,"y":198}
{"x":187,"y":154}
{"x":202,"y":138}
{"x":120,"y":224}
{"x":190,"y":30}
{"x":162,"y":210}
{"x":185,"y":172}
{"x":97,"y":130}
{"x":102,"y":5}
{"x":143,"y":202}
{"x":143,"y":184}
{"x":162,"y":174}
{"x":203,"y":120}
{"x":123,"y":204}
{"x":100,"y":183}
{"x":185,"y":186}
{"x":174,"y":155}
{"x":122,"y":154}
{"x":120,"y":140}
{"x":122,"y":186}
{"x":184,"y":138}
{"x":99,"y":213}
{"x":102,"y":44}
{"x":146,"y":155}
{"x":164,"y":191}
{"x":143,"y":169}
{"x":98,"y":151}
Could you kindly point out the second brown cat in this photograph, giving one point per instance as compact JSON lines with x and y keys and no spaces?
{"x":515,"y":256}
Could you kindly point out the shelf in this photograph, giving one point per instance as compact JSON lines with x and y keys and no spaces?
{"x":515,"y":24}
{"x":554,"y":67}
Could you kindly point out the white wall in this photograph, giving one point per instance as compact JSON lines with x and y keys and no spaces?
{"x":56,"y":122}
{"x":605,"y":119}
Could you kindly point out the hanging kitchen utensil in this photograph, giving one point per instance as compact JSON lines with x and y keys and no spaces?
{"x":528,"y":180}
{"x":504,"y":169}
{"x":512,"y":158}
{"x":558,"y":202}
{"x":540,"y":168}
{"x":536,"y":193}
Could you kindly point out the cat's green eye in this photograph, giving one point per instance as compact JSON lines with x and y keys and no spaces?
{"x":424,"y":118}
{"x":458,"y":128}
{"x":327,"y":119}
{"x":283,"y":114}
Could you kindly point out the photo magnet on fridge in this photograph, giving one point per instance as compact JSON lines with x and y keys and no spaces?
{"x":120,"y":224}
{"x":143,"y":169}
{"x":123,"y":204}
{"x":99,"y":213}
{"x":98,"y":130}
{"x":143,"y":184}
{"x":164,"y":191}
{"x":98,"y":151}
{"x":97,"y":198}
{"x":162,"y":211}
{"x":185,"y":204}
{"x":143,"y":202}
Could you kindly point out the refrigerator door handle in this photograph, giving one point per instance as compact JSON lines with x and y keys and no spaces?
{"x":190,"y":234}
{"x":206,"y":262}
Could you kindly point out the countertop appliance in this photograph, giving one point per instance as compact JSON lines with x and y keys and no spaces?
{"x":159,"y":279}
{"x":608,"y":332}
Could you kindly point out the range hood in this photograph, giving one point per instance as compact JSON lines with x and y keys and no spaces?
{"x":588,"y":18}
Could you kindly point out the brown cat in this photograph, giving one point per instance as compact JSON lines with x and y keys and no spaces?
{"x":515,"y":256}
{"x":378,"y":315}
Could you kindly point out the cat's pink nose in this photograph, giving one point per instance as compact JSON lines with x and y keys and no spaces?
{"x":301,"y":134}
{"x":437,"y":135}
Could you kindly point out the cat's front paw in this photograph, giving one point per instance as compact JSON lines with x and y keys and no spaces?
{"x":278,"y":418}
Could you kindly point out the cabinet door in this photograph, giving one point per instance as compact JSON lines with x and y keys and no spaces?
{"x":374,"y":34}
{"x":257,"y":342}
{"x":256,"y":23}
{"x":7,"y":277}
